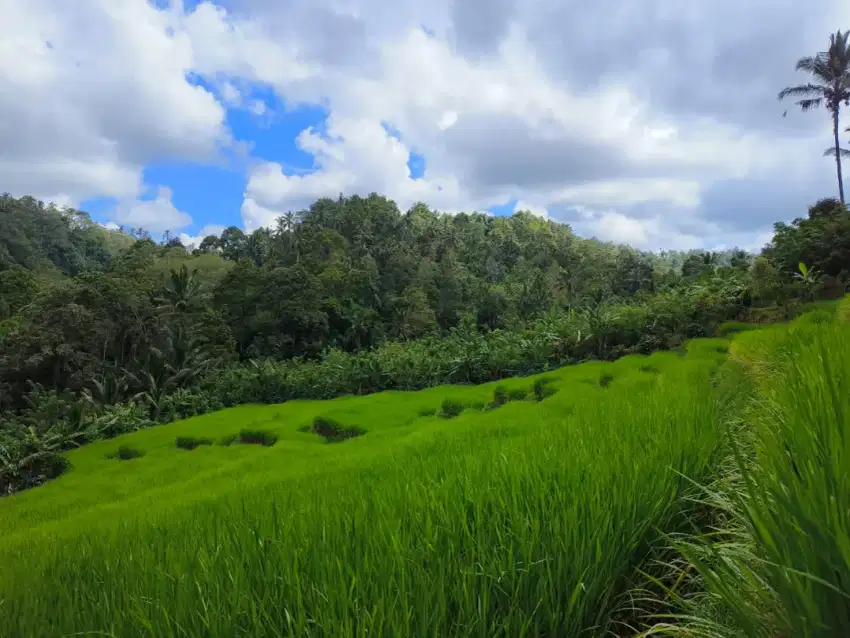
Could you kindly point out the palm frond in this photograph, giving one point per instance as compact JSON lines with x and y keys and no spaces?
{"x":808,"y":63}
{"x":803,"y":90}
{"x":830,"y":152}
{"x":808,"y":105}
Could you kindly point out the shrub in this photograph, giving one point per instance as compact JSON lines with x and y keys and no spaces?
{"x":605,"y":380}
{"x":125,"y":453}
{"x":451,"y":408}
{"x":257,"y":437}
{"x":228,"y":440}
{"x":333,"y":431}
{"x":542,"y":388}
{"x":517,"y":394}
{"x":191,"y":442}
{"x":500,"y":396}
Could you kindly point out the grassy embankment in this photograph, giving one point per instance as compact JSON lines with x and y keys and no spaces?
{"x":526,"y":519}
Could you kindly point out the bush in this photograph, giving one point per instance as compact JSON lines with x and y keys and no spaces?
{"x":542,"y":388}
{"x":228,"y":440}
{"x":517,"y":394}
{"x":333,"y":431}
{"x":257,"y":437}
{"x":500,"y":396}
{"x":605,"y":380}
{"x":191,"y":442}
{"x":29,"y":471}
{"x":451,"y":408}
{"x":125,"y":453}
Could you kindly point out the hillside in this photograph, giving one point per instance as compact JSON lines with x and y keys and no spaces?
{"x":391,"y":531}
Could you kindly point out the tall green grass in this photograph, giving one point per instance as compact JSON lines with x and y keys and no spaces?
{"x":528,"y":520}
{"x":779,"y":562}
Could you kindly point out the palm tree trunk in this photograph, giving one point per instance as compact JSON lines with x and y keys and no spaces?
{"x":837,"y":155}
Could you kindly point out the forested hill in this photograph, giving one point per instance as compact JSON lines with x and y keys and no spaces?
{"x":44,"y":238}
{"x":106,"y":331}
{"x":346,"y":273}
{"x":80,"y":301}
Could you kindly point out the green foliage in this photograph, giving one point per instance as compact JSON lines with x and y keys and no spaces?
{"x":729,"y":328}
{"x":228,"y":439}
{"x":605,"y":380}
{"x":451,"y":408}
{"x":448,"y":528}
{"x":351,"y":297}
{"x":779,"y":565}
{"x":125,"y":453}
{"x":542,"y":388}
{"x":191,"y":442}
{"x":500,"y":396}
{"x":517,"y":394}
{"x":333,"y":431}
{"x":47,"y":239}
{"x":257,"y":437}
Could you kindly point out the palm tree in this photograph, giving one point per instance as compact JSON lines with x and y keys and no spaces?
{"x":830,"y":71}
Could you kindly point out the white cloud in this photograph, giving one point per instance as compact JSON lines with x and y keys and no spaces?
{"x":92,"y":91}
{"x":193,"y":241}
{"x":540,"y":211}
{"x":356,"y":156}
{"x":154,"y":215}
{"x":504,"y":99}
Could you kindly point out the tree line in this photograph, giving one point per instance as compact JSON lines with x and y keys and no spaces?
{"x":103,"y":332}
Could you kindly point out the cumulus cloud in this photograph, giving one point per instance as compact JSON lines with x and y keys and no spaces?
{"x":92,"y":92}
{"x":513,"y":108}
{"x":154,"y":215}
{"x":193,"y":241}
{"x":659,"y":117}
{"x":354,"y":156}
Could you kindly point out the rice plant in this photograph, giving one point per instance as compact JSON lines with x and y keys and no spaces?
{"x":530,"y":520}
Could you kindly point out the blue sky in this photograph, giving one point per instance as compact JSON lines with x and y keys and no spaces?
{"x":212,"y":192}
{"x":176,"y":115}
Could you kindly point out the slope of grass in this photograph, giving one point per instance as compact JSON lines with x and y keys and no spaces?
{"x":778,"y":562}
{"x":524,"y":519}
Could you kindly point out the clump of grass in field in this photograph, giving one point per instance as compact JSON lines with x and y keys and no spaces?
{"x":191,"y":442}
{"x":228,"y":439}
{"x":605,"y":379}
{"x":427,"y":412}
{"x":543,"y":389}
{"x":500,"y":396}
{"x":450,"y":408}
{"x":125,"y":453}
{"x":649,"y":369}
{"x":334,"y":431}
{"x":517,"y":394}
{"x":257,"y":437}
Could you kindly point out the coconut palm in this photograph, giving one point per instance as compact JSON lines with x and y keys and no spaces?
{"x":830,"y":86}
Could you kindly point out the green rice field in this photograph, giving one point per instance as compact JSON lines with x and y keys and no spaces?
{"x":528,"y":507}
